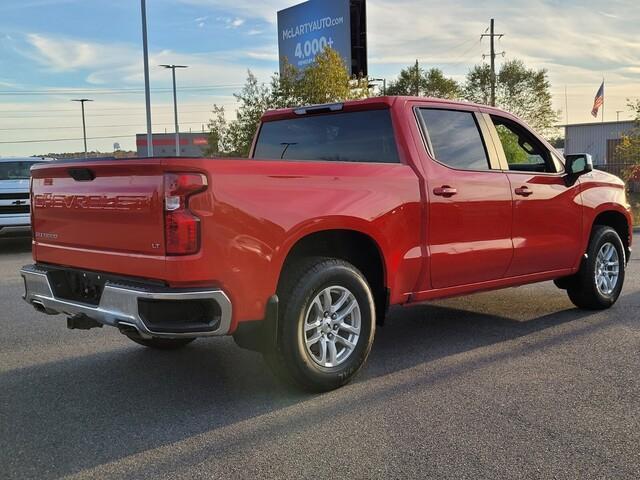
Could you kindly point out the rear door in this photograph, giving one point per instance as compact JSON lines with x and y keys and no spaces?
{"x":470,"y":203}
{"x":547,"y":222}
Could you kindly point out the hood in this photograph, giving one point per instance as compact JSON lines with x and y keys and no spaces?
{"x":14,"y":185}
{"x":605,"y":177}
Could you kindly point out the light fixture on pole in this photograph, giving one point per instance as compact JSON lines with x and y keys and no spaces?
{"x":175,"y":103}
{"x":84,"y":126}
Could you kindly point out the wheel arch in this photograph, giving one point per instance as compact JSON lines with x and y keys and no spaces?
{"x":617,"y":220}
{"x":351,"y":245}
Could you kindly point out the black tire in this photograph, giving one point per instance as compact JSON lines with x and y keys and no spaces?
{"x":290,"y":360}
{"x":161,"y":343}
{"x":583,"y":289}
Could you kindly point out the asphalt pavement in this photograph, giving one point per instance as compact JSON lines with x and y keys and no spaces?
{"x":509,"y":384}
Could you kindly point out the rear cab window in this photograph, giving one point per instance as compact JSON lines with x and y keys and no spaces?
{"x":455,"y":139}
{"x":19,"y":170}
{"x":365,"y":136}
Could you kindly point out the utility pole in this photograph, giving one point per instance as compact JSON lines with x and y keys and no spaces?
{"x":618,"y":112}
{"x":417,"y":79}
{"x":147,"y":93}
{"x":84,"y":125}
{"x":492,"y":35}
{"x":175,"y":103}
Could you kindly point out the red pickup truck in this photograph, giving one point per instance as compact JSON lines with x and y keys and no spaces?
{"x":341,"y":211}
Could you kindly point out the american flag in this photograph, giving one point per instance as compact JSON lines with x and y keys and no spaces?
{"x":599,"y":101}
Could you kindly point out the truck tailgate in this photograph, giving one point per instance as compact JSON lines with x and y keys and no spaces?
{"x":98,"y":214}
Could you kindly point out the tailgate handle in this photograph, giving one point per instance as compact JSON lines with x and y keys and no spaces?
{"x":82,"y":174}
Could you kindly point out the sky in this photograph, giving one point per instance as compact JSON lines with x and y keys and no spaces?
{"x":52,"y":51}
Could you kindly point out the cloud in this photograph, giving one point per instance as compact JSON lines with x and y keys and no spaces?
{"x":264,"y":10}
{"x":63,"y":54}
{"x":231,"y":22}
{"x":263,"y":54}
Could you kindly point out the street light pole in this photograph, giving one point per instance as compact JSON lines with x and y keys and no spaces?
{"x":84,"y":125}
{"x":618,"y":112}
{"x":147,"y":93}
{"x":175,"y":103}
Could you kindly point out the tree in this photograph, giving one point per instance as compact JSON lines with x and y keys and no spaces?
{"x":522,"y":91}
{"x":628,"y":151}
{"x":217,"y":142}
{"x":325,"y":81}
{"x":414,"y":80}
{"x":439,"y":86}
{"x":477,"y":87}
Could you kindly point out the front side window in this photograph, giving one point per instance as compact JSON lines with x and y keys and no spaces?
{"x":523,"y":151}
{"x":341,"y":137}
{"x":455,"y":139}
{"x":16,"y":170}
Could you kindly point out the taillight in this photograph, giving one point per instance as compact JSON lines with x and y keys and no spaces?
{"x":182,"y":227}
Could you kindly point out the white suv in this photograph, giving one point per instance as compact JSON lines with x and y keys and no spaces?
{"x":15,"y":207}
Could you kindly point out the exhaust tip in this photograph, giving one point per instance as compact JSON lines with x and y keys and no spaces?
{"x":128,"y":329}
{"x":39,"y":306}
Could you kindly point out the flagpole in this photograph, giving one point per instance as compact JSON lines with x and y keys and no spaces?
{"x":566,"y":104}
{"x":603,"y":90}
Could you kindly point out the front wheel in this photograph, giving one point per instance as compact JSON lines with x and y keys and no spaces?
{"x":599,"y":282}
{"x":327,"y":325}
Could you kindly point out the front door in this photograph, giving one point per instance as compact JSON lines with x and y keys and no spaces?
{"x":470,"y":204}
{"x":547,"y":214}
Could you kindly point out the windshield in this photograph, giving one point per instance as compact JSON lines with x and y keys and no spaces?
{"x":16,"y":170}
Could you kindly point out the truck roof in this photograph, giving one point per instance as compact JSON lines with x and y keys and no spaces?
{"x":364,"y":104}
{"x":25,"y":159}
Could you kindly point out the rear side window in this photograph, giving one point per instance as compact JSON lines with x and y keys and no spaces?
{"x":455,"y":139}
{"x":341,"y":137}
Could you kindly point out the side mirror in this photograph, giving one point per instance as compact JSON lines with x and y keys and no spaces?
{"x":576,"y":165}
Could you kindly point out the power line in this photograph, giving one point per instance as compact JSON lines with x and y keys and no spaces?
{"x":64,"y":139}
{"x":456,"y":47}
{"x":461,"y":58}
{"x":99,"y":115}
{"x":97,"y":126}
{"x":108,"y":108}
{"x":112,"y":91}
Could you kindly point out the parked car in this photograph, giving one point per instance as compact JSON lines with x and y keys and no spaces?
{"x":15,"y":212}
{"x":340,"y":211}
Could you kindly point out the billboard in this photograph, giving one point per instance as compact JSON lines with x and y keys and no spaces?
{"x":305,"y":30}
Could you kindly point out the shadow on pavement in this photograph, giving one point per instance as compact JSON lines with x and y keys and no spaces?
{"x":11,"y":244}
{"x":65,"y":416}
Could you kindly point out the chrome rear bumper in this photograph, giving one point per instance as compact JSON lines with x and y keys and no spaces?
{"x":119,"y":304}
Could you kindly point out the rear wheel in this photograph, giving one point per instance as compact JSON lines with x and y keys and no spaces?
{"x":161,"y":343}
{"x":599,"y":282}
{"x":327,"y":325}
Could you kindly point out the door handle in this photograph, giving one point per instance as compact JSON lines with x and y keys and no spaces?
{"x":445,"y":191}
{"x":524,"y":191}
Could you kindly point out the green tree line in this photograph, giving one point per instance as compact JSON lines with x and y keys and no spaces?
{"x":524,"y":91}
